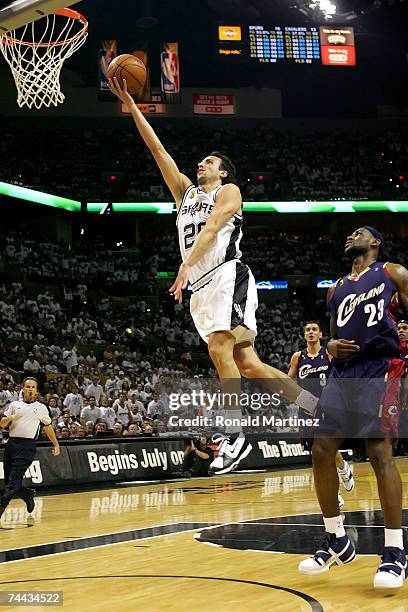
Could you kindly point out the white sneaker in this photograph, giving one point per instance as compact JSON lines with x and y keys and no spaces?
{"x":341,"y":500}
{"x":391,"y":572}
{"x":333,"y":551}
{"x":346,"y":477}
{"x":230,"y":454}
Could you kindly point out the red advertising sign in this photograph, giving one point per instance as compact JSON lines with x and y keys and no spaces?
{"x":337,"y":46}
{"x":213,"y":104}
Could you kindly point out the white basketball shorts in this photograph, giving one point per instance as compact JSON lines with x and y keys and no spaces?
{"x":227,"y":302}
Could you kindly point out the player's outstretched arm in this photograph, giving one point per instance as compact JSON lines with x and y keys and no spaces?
{"x":227,"y":203}
{"x":174,"y":179}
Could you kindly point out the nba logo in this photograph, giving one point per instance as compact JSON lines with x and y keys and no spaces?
{"x":170,"y":75}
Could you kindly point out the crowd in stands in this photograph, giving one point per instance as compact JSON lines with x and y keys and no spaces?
{"x":350,"y":164}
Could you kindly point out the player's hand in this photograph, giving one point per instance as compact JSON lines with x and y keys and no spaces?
{"x":56,"y":450}
{"x":180,"y":283}
{"x":341,"y":349}
{"x":121,"y":91}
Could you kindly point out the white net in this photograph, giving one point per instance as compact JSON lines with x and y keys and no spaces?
{"x":36,"y":53}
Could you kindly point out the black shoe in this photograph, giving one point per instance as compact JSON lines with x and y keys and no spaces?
{"x":179,"y":474}
{"x":30,"y":503}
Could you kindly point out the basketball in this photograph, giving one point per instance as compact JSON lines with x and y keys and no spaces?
{"x":130,"y":68}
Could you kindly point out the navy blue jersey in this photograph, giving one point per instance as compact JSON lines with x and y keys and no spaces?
{"x":312,"y":372}
{"x":365,"y":310}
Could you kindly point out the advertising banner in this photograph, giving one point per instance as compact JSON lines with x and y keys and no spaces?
{"x":170,"y":72}
{"x":144,"y":459}
{"x":107,"y":53}
{"x":337,"y":46}
{"x":213,"y":104}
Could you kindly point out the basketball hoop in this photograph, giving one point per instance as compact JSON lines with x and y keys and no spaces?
{"x":36,"y":52}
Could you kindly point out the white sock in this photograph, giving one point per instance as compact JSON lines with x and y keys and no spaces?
{"x":393,"y":537}
{"x":235,"y":416}
{"x":307,"y":401}
{"x":334,"y":524}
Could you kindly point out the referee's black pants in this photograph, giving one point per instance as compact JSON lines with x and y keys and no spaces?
{"x":18,"y":456}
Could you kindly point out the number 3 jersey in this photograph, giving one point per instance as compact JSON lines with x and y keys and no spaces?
{"x":312,"y":372}
{"x":365,"y":310}
{"x":192,"y":216}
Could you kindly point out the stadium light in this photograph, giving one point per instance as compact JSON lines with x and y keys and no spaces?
{"x":325,"y":6}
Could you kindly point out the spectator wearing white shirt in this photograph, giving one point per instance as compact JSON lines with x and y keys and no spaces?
{"x":68,"y":420}
{"x":154,"y":406}
{"x":74,"y":401}
{"x":120,"y":380}
{"x":139,"y":393}
{"x":136,"y":414}
{"x":122,"y":409}
{"x":12,"y":391}
{"x":53,"y":410}
{"x":110,"y":383}
{"x":31,"y":365}
{"x":91,"y":412}
{"x":108,"y":413}
{"x":5,"y":397}
{"x":70,"y":358}
{"x":94,"y":389}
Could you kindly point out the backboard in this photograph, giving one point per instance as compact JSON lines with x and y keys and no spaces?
{"x":18,"y":13}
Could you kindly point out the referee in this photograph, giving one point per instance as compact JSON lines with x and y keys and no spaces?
{"x":23,"y":418}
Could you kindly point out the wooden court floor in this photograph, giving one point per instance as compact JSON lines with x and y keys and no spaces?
{"x":229,"y":543}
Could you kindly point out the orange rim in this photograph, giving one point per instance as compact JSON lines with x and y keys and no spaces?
{"x":70,"y":14}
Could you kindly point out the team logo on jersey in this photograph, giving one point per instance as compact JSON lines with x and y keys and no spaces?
{"x":238,"y":310}
{"x":349,"y":304}
{"x":306,"y":370}
{"x":192,"y":194}
{"x":35,"y":410}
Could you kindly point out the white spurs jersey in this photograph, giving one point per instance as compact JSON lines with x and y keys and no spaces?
{"x":195,"y":208}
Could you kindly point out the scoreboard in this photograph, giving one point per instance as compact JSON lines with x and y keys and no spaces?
{"x":295,"y":44}
{"x":300,"y":44}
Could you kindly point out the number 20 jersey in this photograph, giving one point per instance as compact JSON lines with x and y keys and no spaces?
{"x":365,"y":310}
{"x":192,"y":216}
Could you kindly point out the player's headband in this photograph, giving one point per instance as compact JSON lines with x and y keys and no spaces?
{"x":402,"y":321}
{"x":377,"y":235}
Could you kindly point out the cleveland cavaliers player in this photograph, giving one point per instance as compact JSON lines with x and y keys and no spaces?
{"x":311,"y":368}
{"x":224,"y":300}
{"x":361,"y":399}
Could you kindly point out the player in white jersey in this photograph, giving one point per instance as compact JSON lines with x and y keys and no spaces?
{"x":224,"y":299}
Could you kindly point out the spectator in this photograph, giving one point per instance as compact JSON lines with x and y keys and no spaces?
{"x":94,"y":389}
{"x":118,"y":429}
{"x":91,"y":412}
{"x":108,"y":413}
{"x":122,"y":409}
{"x":74,"y":401}
{"x":31,"y":365}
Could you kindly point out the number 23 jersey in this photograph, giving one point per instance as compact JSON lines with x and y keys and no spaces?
{"x":192,"y":216}
{"x":365,"y":310}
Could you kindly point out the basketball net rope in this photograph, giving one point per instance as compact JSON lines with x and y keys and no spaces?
{"x":36,"y":66}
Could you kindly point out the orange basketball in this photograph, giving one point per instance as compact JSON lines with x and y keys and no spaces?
{"x":130,"y":68}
